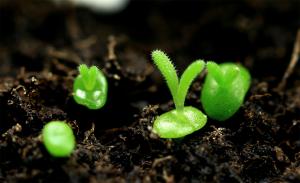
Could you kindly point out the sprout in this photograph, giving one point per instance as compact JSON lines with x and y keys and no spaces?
{"x":58,"y":139}
{"x":182,"y":120}
{"x":90,"y":87}
{"x":224,"y":89}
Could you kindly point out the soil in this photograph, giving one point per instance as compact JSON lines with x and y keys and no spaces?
{"x":41,"y":45}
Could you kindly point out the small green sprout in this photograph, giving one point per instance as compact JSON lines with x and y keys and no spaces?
{"x":182,"y":120}
{"x":224,"y":89}
{"x":58,"y":138}
{"x":90,"y":87}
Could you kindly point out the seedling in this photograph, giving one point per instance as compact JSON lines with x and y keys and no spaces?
{"x":90,"y":87}
{"x":58,"y":139}
{"x":224,"y":89}
{"x":182,"y":120}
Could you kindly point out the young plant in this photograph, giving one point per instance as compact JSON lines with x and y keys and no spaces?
{"x":90,"y":87}
{"x":224,"y":89}
{"x":58,"y":138}
{"x":182,"y":120}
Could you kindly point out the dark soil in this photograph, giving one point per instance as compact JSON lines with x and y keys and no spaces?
{"x":42,"y":44}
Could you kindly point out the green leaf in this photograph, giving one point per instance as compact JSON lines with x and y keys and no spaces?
{"x":231,"y":74}
{"x":89,"y":76}
{"x":167,"y":69}
{"x":215,"y":70}
{"x":186,"y":80}
{"x":90,"y":87}
{"x":179,"y":123}
{"x":58,"y":139}
{"x":222,"y":97}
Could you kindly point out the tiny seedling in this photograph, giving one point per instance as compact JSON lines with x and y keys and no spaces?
{"x":224,"y":89}
{"x":58,"y":138}
{"x":90,"y":87}
{"x":182,"y":120}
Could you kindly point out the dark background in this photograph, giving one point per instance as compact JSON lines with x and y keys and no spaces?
{"x":41,"y":45}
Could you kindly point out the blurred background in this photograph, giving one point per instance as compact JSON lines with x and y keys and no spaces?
{"x":257,"y":33}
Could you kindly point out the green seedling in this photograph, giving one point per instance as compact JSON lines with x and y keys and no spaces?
{"x":90,"y":87}
{"x":58,"y":139}
{"x":182,"y":120}
{"x":224,"y":89}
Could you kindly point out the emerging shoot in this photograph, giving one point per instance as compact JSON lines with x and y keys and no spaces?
{"x":224,"y":89}
{"x":90,"y":87}
{"x":58,"y":139}
{"x":182,"y":120}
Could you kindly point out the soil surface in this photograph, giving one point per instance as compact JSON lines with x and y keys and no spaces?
{"x":41,"y":45}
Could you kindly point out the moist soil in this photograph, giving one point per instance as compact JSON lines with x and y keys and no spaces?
{"x":41,"y":45}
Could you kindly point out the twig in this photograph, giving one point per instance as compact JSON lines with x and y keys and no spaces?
{"x":112,"y":42}
{"x":88,"y":133}
{"x":66,"y":55}
{"x":293,"y":62}
{"x":159,"y":160}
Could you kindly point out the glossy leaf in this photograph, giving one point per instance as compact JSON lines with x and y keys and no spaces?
{"x":58,"y":139}
{"x":179,"y":123}
{"x":90,"y":87}
{"x":224,"y":89}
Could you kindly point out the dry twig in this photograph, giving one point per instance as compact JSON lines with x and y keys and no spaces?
{"x":112,"y":42}
{"x":293,"y":62}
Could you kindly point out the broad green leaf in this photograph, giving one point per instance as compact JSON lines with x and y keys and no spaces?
{"x":179,"y":123}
